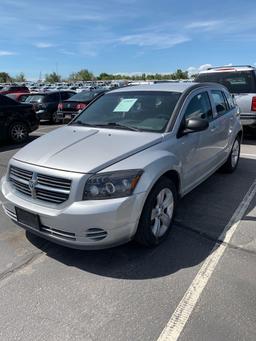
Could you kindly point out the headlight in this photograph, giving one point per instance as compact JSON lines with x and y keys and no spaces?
{"x":111,"y":185}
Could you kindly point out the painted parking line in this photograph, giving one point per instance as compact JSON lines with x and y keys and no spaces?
{"x":186,"y":306}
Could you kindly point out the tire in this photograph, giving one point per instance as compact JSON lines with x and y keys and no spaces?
{"x":18,"y":132}
{"x":54,"y":118}
{"x":150,"y":231}
{"x":232,"y":162}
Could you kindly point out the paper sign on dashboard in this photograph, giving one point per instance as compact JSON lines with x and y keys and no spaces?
{"x":125,"y":105}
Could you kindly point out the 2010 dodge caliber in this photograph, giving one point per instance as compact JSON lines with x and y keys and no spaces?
{"x":115,"y":173}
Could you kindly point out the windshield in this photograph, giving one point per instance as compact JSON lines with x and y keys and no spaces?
{"x":235,"y":82}
{"x":34,"y":99}
{"x":141,"y":110}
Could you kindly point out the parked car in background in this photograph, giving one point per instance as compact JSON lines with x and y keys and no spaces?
{"x":75,"y":104}
{"x":241,"y":82}
{"x":10,"y":89}
{"x":118,"y":169}
{"x":19,"y":97}
{"x":16,"y":120}
{"x":46,"y":103}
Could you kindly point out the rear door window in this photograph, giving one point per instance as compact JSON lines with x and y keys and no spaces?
{"x":220,"y":102}
{"x":230,"y":100}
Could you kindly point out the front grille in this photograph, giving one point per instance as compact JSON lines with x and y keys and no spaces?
{"x":20,"y":173}
{"x":40,"y":186}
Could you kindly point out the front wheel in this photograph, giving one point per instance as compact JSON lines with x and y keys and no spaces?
{"x":234,"y":156}
{"x":18,"y":132}
{"x":157,"y":214}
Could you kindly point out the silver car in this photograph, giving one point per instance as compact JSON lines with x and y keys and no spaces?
{"x":116,"y":172}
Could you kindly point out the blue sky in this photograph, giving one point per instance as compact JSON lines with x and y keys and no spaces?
{"x":125,"y":36}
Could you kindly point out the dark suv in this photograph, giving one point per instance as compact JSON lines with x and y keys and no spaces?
{"x":16,"y":120}
{"x":241,"y":82}
{"x":46,"y":103}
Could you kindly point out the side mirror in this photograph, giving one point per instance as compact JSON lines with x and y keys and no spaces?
{"x":195,"y":124}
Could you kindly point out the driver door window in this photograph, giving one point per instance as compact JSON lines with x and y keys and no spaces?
{"x":199,"y":107}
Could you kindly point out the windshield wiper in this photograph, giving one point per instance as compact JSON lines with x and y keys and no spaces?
{"x":103,"y":125}
{"x":117,"y":125}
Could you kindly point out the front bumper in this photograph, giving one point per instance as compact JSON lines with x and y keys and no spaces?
{"x":83,"y":225}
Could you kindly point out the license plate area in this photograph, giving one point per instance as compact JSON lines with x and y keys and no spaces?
{"x":27,"y":218}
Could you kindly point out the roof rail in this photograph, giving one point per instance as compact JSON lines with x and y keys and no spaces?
{"x":229,"y":66}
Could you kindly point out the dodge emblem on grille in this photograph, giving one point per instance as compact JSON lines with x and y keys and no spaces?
{"x":32,"y":186}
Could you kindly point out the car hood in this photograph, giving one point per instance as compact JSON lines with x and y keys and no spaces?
{"x":85,"y":150}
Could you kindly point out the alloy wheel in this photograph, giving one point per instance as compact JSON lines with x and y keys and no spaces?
{"x":235,"y":154}
{"x":18,"y":132}
{"x":162,"y":212}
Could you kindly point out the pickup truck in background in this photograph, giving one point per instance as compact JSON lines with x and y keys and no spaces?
{"x":241,"y":82}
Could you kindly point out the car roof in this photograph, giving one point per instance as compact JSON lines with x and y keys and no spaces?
{"x":51,"y":92}
{"x":168,"y":86}
{"x":228,"y":69}
{"x":180,"y":87}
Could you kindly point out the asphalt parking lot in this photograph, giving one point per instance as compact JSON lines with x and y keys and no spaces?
{"x":198,"y":285}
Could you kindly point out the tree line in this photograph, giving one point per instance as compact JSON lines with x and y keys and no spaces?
{"x":86,"y":75}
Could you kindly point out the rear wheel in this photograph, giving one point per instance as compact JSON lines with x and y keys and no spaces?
{"x":18,"y":132}
{"x":157,"y":214}
{"x":234,"y":156}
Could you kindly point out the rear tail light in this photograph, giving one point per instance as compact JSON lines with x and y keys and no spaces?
{"x":253,"y":104}
{"x":80,"y":106}
{"x":60,"y":106}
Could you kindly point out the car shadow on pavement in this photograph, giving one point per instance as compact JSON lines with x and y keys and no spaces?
{"x":201,"y":218}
